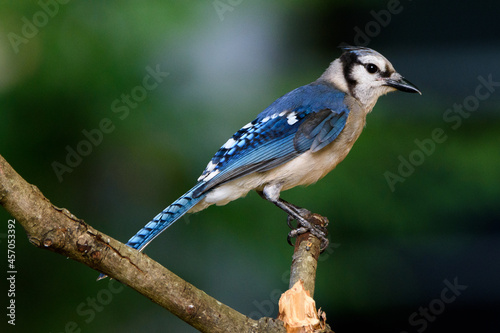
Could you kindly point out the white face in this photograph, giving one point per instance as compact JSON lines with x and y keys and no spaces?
{"x":370,"y":73}
{"x":366,"y":75}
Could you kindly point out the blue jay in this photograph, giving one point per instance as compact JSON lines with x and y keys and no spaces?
{"x":295,"y":141}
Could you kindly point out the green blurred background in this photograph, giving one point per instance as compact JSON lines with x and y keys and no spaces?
{"x":64,"y":67}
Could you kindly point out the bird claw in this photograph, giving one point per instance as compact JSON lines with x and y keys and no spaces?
{"x":295,"y":233}
{"x":300,"y":211}
{"x":289,"y":221}
{"x":304,"y":226}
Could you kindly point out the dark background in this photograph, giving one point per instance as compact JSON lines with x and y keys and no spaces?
{"x":393,"y":252}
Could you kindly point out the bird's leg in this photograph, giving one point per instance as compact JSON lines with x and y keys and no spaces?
{"x":302,"y":216}
{"x":295,"y":213}
{"x":298,"y":210}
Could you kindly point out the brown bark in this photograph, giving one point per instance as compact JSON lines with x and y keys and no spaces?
{"x":56,"y":229}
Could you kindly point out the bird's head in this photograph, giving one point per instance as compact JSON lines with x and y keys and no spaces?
{"x":366,"y":75}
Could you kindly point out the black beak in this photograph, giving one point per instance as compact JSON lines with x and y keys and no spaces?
{"x":403,"y":85}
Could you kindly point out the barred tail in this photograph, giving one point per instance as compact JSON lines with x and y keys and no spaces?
{"x":163,"y":220}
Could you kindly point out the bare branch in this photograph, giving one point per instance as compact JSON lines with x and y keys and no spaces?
{"x":305,"y":256}
{"x":56,"y":229}
{"x":296,"y":306}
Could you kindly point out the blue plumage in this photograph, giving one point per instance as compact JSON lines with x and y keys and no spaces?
{"x":297,"y":140}
{"x":164,"y":219}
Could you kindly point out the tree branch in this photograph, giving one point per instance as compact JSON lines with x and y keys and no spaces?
{"x":306,"y":254}
{"x":56,"y":229}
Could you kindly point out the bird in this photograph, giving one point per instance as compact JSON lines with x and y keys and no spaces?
{"x":295,"y":141}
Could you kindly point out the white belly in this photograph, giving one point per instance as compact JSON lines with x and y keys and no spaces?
{"x":305,"y":169}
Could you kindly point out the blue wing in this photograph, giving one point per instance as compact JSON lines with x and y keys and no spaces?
{"x":307,"y":118}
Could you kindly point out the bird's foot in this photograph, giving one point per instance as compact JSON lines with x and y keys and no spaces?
{"x":300,"y":211}
{"x":308,"y":222}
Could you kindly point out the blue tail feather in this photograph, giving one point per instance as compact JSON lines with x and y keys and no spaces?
{"x":163,"y":220}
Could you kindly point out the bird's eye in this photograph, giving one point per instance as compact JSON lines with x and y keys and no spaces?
{"x":371,"y":68}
